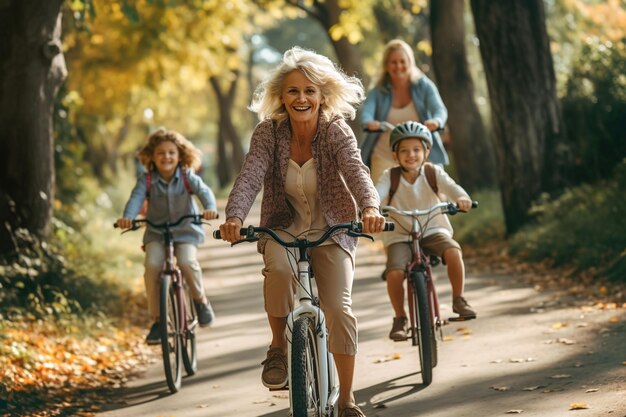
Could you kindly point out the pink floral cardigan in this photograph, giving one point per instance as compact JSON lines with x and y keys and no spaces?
{"x":342,"y":177}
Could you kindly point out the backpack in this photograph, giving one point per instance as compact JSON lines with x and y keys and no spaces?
{"x":144,"y":207}
{"x":429,"y":172}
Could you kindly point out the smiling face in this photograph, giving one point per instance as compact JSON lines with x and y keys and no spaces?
{"x":302,"y":98}
{"x":410,"y":154}
{"x":166,"y":158}
{"x":398,"y":65}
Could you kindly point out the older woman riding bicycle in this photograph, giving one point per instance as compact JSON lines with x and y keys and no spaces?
{"x":305,"y":156}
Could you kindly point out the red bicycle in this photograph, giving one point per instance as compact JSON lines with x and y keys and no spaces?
{"x":424,"y":318}
{"x":178,"y":320}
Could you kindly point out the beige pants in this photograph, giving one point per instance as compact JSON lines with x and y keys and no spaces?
{"x":334,"y":272}
{"x":186,"y":260}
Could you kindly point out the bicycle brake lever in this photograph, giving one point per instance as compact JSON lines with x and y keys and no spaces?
{"x":357,"y":234}
{"x":247,"y":240}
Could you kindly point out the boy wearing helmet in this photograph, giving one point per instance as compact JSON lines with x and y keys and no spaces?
{"x":410,"y":144}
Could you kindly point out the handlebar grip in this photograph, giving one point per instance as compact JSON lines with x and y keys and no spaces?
{"x":389,"y":226}
{"x":115,"y":226}
{"x":243,"y":232}
{"x":474,"y":204}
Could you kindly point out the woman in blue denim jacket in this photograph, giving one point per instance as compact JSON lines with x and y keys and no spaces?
{"x":402,"y":93}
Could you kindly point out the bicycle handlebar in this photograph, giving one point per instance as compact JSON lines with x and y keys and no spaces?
{"x":354,"y":229}
{"x":386,"y":126}
{"x":445,"y":207}
{"x":197,"y":219}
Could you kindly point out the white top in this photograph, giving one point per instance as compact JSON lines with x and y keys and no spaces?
{"x":417,"y":196}
{"x":382,"y":157}
{"x":301,"y":190}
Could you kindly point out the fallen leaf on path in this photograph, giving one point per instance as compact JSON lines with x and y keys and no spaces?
{"x":500,"y":387}
{"x":578,"y":406}
{"x":536,"y":387}
{"x":380,"y":405}
{"x":561,"y":376}
{"x":592,"y":390}
{"x":464,"y":331}
{"x":514,"y":412}
{"x":393,"y":357}
{"x":559,"y":325}
{"x":202,"y":406}
{"x":448,"y":338}
{"x":582,"y":325}
{"x":614,"y":319}
{"x":496,"y":361}
{"x":520,"y":360}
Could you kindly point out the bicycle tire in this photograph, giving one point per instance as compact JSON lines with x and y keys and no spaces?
{"x":424,"y":332}
{"x":305,"y":393}
{"x":170,"y":335}
{"x":188,"y":334}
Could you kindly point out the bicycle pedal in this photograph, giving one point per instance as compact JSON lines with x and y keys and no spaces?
{"x":461,"y":318}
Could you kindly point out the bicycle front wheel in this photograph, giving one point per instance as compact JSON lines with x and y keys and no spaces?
{"x":424,"y":331}
{"x":188,"y":334}
{"x":305,"y":393}
{"x":170,"y":335}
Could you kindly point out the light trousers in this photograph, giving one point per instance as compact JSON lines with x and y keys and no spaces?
{"x":333,"y":269}
{"x":187,"y":262}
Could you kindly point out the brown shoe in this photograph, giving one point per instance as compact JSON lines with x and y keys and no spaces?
{"x":462,"y":308}
{"x":350,"y":410}
{"x":398,"y":329}
{"x":274,"y":374}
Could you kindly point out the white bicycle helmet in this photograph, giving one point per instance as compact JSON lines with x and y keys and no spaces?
{"x":410,"y":129}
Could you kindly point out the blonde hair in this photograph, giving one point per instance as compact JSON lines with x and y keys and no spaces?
{"x":189,"y":156}
{"x":341,"y":94}
{"x":392,"y":46}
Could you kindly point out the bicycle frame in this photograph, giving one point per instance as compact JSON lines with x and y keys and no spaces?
{"x":421,"y":263}
{"x":328,"y":383}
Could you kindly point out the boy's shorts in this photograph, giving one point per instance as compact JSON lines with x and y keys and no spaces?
{"x":399,"y":254}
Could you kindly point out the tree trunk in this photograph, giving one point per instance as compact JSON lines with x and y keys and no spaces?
{"x":472,"y":154}
{"x":526,"y":115}
{"x":229,"y":163}
{"x":32,"y":68}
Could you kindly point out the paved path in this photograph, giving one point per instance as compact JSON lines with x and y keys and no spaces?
{"x":527,"y":351}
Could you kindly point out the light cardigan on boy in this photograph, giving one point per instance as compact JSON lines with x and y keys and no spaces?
{"x":342,"y":177}
{"x":417,"y":196}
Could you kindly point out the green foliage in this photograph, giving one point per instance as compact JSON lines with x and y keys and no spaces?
{"x":482,"y":224}
{"x":585,"y":228}
{"x":594,"y":107}
{"x":84,"y":266}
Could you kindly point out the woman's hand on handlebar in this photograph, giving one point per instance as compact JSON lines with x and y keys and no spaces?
{"x":372,"y":220}
{"x":464,"y":204}
{"x":124,"y":223}
{"x":210,"y":214}
{"x":432,"y":125}
{"x":373,"y":125}
{"x":230,"y":230}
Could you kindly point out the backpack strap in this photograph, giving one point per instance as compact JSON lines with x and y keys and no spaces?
{"x":148,"y":183}
{"x":431,"y":176}
{"x":186,"y":181}
{"x":395,"y":173}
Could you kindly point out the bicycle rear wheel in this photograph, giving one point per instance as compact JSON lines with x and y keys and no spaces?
{"x":424,"y":331}
{"x":305,"y":395}
{"x":170,"y":335}
{"x":188,"y":334}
